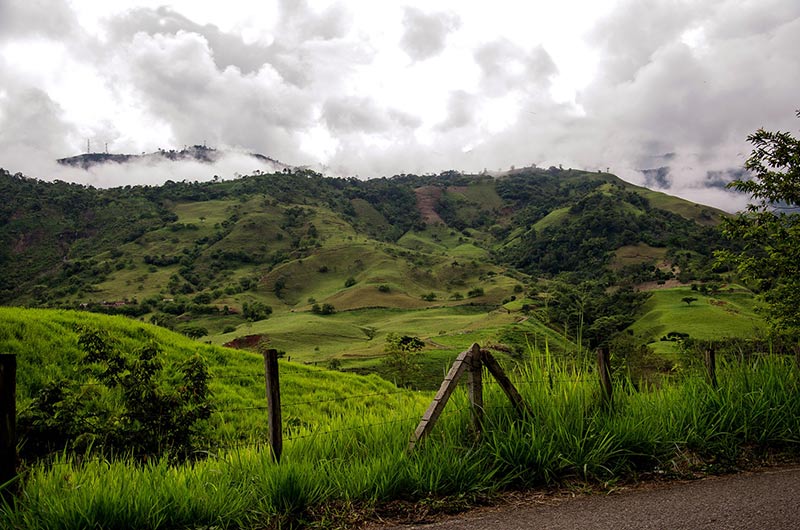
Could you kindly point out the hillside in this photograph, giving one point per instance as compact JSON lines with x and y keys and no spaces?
{"x":325,"y":268}
{"x":46,"y":345}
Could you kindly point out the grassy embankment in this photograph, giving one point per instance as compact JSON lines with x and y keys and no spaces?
{"x":358,"y":458}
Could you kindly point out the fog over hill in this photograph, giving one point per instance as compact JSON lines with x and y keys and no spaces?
{"x":367,"y":90}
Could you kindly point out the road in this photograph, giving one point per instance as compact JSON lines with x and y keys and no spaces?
{"x":764,"y":499}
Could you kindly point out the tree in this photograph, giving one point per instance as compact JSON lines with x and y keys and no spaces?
{"x":402,"y":352}
{"x":769,"y":230}
{"x":688,"y":300}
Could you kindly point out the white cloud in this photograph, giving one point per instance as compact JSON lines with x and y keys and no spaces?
{"x":378,"y":88}
{"x":424,"y":34}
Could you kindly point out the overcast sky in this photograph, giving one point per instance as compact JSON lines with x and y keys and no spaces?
{"x":375,"y":88}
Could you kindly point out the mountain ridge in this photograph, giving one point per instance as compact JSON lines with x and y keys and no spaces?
{"x":197,"y":153}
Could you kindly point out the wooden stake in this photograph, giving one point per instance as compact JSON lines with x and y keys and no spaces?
{"x":476,"y":390}
{"x":8,"y":421}
{"x":273,"y":403}
{"x":447,"y":387}
{"x":505,"y":383}
{"x":604,"y":367}
{"x":711,"y":366}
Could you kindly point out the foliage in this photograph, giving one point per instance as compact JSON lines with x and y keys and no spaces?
{"x":360,"y":462}
{"x":688,"y":300}
{"x":130,"y":410}
{"x":254,"y":311}
{"x":769,"y":231}
{"x":591,"y":310}
{"x":401,"y":358}
{"x":324,"y":309}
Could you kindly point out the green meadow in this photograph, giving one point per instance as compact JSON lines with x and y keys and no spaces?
{"x":729,"y":313}
{"x":345,"y":450}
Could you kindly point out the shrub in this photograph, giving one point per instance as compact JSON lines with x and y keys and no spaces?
{"x":474,"y":293}
{"x":131,"y":410}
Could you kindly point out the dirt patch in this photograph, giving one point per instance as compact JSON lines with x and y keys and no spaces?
{"x":427,"y":197}
{"x":246,"y":342}
{"x":653,"y":286}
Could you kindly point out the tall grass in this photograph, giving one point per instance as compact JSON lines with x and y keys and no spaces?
{"x":360,"y":457}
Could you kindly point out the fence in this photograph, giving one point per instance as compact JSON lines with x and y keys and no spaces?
{"x":472,"y":361}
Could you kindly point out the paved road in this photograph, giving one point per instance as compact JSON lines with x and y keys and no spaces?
{"x":759,"y":500}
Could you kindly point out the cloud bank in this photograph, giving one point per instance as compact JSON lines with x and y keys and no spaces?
{"x":372,"y":90}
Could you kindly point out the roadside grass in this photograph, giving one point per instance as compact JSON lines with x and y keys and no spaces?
{"x":358,"y":458}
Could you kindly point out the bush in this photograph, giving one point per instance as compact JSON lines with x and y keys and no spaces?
{"x":474,"y":293}
{"x":131,"y":409}
{"x":256,"y":311}
{"x":324,"y":309}
{"x":349,"y":282}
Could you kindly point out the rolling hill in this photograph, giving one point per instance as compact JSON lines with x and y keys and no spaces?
{"x":438,"y":256}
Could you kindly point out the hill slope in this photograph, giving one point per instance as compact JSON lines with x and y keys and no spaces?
{"x":271,"y":254}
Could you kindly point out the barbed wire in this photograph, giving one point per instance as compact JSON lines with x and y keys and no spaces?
{"x":315,"y":401}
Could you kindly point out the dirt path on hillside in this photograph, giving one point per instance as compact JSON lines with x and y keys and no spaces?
{"x":427,"y":197}
{"x":760,"y":499}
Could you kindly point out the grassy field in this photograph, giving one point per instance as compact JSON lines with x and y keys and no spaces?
{"x":634,"y":254}
{"x":353,"y":460}
{"x":728,"y":313}
{"x":46,"y":345}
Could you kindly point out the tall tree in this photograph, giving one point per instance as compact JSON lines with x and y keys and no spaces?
{"x":769,"y":230}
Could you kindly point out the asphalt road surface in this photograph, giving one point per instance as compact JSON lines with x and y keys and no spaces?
{"x":767,"y":499}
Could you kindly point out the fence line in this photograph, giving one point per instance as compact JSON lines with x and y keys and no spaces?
{"x":474,"y":367}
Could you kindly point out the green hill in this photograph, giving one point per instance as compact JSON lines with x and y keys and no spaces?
{"x":433,"y":255}
{"x":727,"y":313}
{"x":46,"y":345}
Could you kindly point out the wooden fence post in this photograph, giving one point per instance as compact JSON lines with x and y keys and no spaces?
{"x":8,"y":421}
{"x":505,"y":384}
{"x":604,"y":367}
{"x":442,"y":396}
{"x":476,"y":390}
{"x":273,"y":403}
{"x":711,"y":366}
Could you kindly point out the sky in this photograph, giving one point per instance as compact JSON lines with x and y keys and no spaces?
{"x":371,"y":88}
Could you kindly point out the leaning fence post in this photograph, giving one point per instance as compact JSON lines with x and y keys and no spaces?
{"x":447,"y":387}
{"x":476,"y":390}
{"x":273,"y":403}
{"x":8,"y":421}
{"x":604,"y":367}
{"x":711,"y":366}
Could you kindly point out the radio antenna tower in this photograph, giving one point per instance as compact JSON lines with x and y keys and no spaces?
{"x":88,"y":146}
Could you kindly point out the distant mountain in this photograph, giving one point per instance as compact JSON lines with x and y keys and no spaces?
{"x":196,"y":153}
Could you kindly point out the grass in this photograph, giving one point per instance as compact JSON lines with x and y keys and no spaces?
{"x":725,"y":314}
{"x":357,"y":459}
{"x":633,"y":254}
{"x":346,"y":334}
{"x":554,"y":217}
{"x":46,"y":345}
